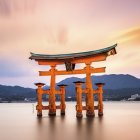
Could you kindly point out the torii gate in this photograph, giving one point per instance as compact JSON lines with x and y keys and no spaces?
{"x":70,"y":60}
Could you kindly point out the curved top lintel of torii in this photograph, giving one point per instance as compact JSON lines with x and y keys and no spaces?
{"x":73,"y":58}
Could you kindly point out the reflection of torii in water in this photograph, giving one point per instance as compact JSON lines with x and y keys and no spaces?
{"x":70,"y":60}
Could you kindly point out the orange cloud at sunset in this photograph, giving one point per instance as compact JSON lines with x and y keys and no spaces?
{"x":131,"y":35}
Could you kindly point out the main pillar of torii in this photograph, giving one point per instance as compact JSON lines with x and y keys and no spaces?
{"x":70,"y":60}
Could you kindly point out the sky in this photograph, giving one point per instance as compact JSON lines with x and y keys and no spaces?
{"x":66,"y":26}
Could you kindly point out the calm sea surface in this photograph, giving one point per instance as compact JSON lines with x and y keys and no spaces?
{"x":121,"y":121}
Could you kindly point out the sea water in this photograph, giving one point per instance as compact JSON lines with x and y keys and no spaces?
{"x":121,"y":121}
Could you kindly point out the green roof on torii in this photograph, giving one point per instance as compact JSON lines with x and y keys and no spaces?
{"x":109,"y":51}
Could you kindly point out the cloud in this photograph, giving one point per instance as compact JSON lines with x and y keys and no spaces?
{"x":11,"y":68}
{"x":131,"y":35}
{"x":65,"y":26}
{"x":11,"y":7}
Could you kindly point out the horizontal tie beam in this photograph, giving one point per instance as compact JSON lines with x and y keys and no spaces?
{"x":85,"y":107}
{"x":82,"y":71}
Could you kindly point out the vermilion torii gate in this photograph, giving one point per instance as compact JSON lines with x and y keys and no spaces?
{"x":70,"y":60}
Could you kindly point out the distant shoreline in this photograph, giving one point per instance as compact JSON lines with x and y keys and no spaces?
{"x":66,"y":101}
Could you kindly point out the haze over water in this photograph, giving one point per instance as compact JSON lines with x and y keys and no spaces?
{"x":121,"y":121}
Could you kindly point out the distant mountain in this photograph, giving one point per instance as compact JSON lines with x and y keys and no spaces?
{"x":111,"y":81}
{"x":120,"y":81}
{"x":16,"y":93}
{"x":69,"y":81}
{"x":116,"y":87}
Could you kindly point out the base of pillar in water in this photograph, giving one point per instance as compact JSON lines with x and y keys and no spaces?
{"x":52,"y":114}
{"x":100,"y":114}
{"x":79,"y":115}
{"x":39,"y":114}
{"x":90,"y":114}
{"x":62,"y":113}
